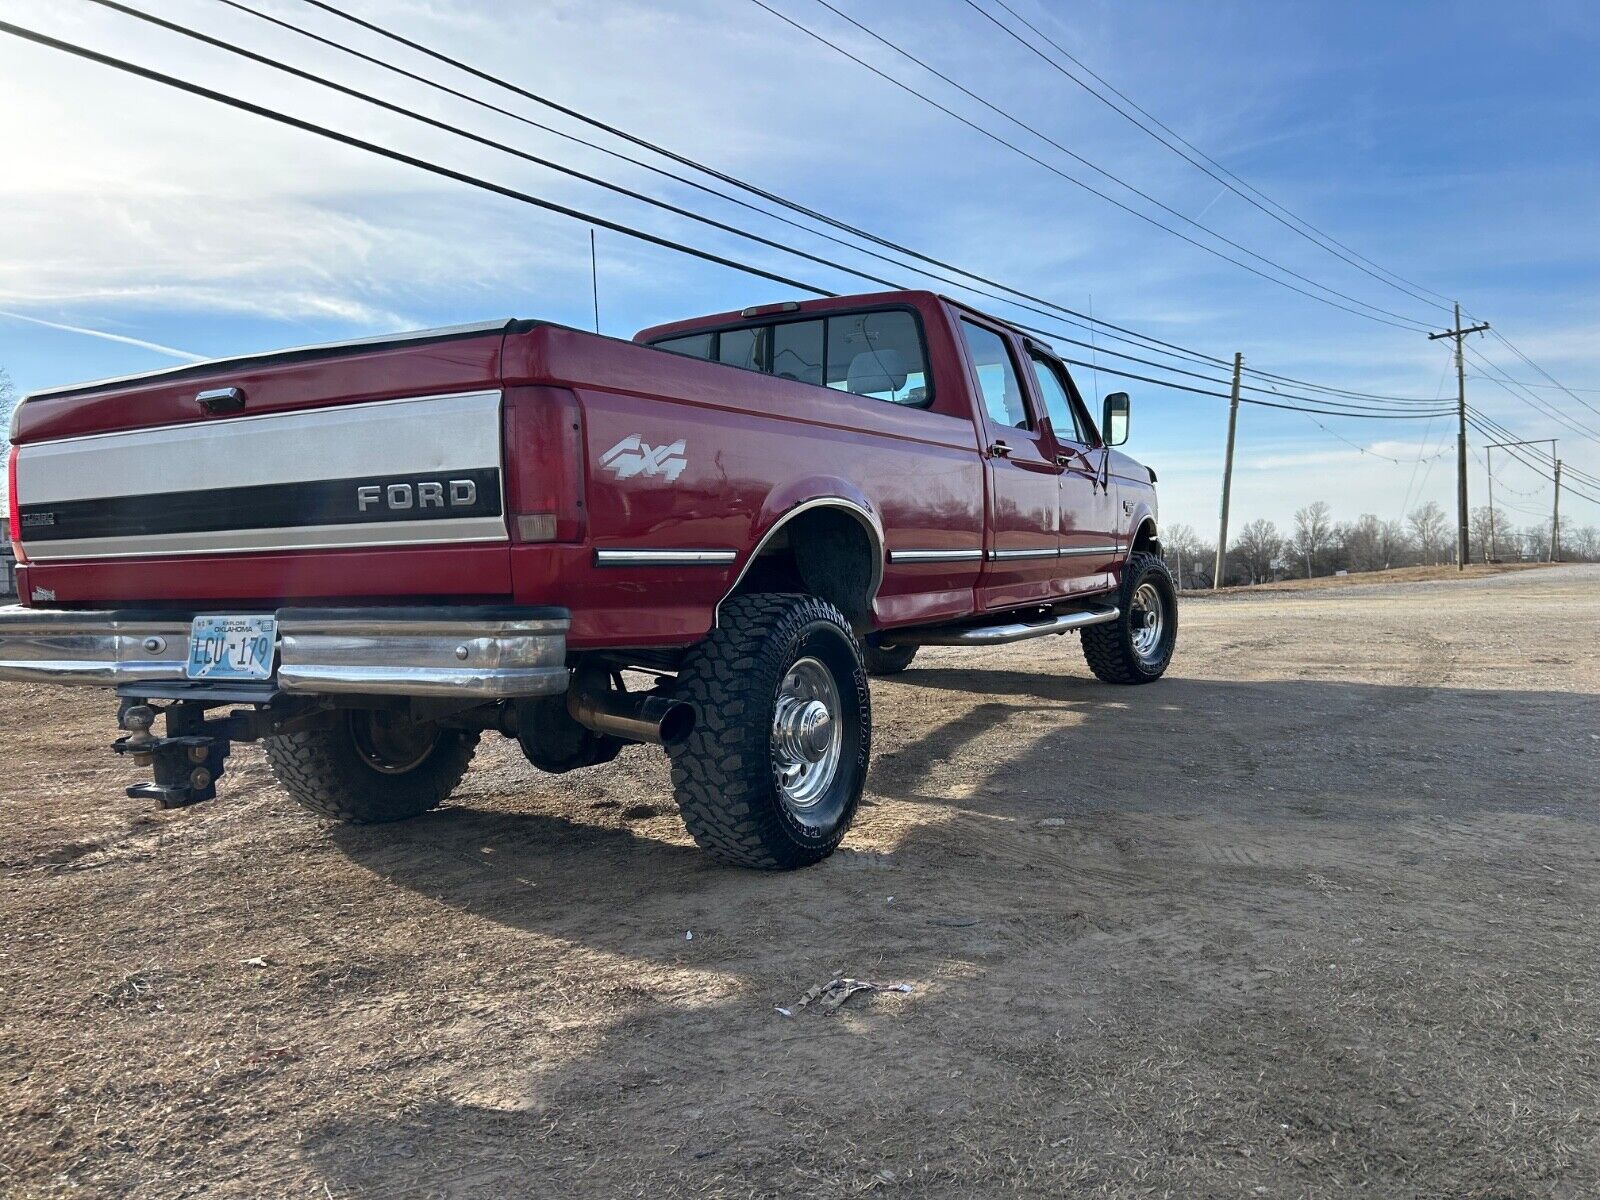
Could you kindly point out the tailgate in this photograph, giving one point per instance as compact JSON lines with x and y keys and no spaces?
{"x":369,"y":449}
{"x":417,"y":470}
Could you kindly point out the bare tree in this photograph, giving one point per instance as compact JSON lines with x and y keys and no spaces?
{"x":1429,"y":525}
{"x":1583,"y":544}
{"x":1486,"y":533}
{"x":1182,"y":546}
{"x":1259,"y":546}
{"x":8,"y":401}
{"x":1313,"y":527}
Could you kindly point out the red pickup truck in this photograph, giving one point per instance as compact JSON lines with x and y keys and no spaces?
{"x":367,"y":555}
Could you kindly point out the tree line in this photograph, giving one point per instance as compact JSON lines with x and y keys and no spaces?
{"x":1315,"y":544}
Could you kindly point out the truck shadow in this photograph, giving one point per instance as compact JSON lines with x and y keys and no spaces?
{"x":1055,"y":848}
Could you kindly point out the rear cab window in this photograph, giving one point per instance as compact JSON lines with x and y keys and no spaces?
{"x":879,"y":354}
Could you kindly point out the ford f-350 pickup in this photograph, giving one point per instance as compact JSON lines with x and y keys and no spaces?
{"x":367,"y":555}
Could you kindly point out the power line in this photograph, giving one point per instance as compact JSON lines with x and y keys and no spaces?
{"x":304,"y":126}
{"x":722,"y":195}
{"x":1527,"y":384}
{"x":745,"y":185}
{"x":1499,"y":378}
{"x":1500,"y":431}
{"x":1401,"y":322}
{"x":383,"y":151}
{"x":1533,"y":465}
{"x":1506,"y":342}
{"x":384,"y":104}
{"x":1070,"y":316}
{"x":1227,"y":178}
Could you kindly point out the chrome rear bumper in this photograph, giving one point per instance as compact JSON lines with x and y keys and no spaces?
{"x":476,"y":652}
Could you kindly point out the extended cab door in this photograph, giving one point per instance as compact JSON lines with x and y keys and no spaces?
{"x":1088,"y":518}
{"x":1023,"y":476}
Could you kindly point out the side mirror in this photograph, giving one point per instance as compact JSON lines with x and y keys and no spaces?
{"x":1114,"y":418}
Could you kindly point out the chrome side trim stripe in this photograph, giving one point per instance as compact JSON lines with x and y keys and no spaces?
{"x":934,"y":556}
{"x":1009,"y":555}
{"x":664,"y":558}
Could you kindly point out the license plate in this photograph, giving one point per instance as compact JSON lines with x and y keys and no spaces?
{"x":232,"y":647}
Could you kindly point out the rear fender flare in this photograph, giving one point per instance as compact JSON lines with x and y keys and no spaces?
{"x":784,"y":504}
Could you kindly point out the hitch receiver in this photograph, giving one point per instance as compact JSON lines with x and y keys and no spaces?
{"x":186,"y":764}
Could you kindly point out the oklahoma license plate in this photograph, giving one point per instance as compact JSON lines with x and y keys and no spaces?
{"x":232,"y":647}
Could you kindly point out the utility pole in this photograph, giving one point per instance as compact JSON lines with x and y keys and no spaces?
{"x":1491,"y":552}
{"x":1488,"y":461}
{"x":1555,"y":518}
{"x":1458,"y":334}
{"x":1227,"y":476}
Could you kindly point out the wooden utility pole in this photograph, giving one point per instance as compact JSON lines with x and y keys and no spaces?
{"x":1555,"y":518}
{"x":1458,"y":334}
{"x":1227,"y":476}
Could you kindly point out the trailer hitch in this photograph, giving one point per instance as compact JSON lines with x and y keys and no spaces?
{"x":186,"y":763}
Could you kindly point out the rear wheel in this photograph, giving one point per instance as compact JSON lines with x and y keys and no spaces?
{"x":887,"y":660}
{"x":371,"y":766}
{"x":773,"y":772}
{"x":1138,"y":645}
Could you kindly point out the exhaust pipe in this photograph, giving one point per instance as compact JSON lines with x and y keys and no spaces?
{"x":632,"y":716}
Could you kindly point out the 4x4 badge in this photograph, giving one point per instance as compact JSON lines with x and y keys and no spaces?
{"x":635,"y":456}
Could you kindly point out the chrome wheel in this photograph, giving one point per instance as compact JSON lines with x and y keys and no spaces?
{"x":807,"y":736}
{"x":391,"y":744}
{"x":1147,"y":621}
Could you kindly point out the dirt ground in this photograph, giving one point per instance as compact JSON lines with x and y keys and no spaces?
{"x":1314,"y":916}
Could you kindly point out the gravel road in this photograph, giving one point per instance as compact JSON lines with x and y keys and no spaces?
{"x":1314,"y":916}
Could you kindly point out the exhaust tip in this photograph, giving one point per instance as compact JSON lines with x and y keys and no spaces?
{"x":678,"y":723}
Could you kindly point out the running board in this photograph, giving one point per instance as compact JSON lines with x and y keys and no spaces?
{"x":1000,"y":635}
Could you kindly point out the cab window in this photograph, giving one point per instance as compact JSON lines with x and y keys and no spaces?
{"x":797,"y":351}
{"x":878,"y":354}
{"x":997,"y":376}
{"x":743,"y":347}
{"x":696,"y":345}
{"x":1052,"y":386}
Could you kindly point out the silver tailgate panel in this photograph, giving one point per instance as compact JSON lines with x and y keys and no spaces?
{"x":144,"y":492}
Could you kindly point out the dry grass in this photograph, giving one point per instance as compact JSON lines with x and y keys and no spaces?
{"x":1365,"y":578}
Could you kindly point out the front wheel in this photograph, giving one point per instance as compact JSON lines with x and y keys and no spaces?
{"x":1138,"y":645}
{"x":772,"y":774}
{"x":370,"y":766}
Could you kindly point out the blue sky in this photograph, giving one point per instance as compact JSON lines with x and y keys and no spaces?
{"x":1451,"y":143}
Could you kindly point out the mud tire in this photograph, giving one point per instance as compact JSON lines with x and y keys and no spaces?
{"x":1111,"y":649}
{"x":723,"y":774}
{"x":326,"y":771}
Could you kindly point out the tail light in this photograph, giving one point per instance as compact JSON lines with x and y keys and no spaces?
{"x":544,"y":465}
{"x":12,"y":510}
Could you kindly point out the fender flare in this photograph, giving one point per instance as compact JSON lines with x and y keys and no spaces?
{"x":783,"y":505}
{"x":1142,"y":517}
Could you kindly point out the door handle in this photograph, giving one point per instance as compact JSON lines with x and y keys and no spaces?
{"x":999,"y":450}
{"x":1063,"y":460}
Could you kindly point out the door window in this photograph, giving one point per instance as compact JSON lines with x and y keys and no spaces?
{"x":1057,"y":403}
{"x":997,"y":376}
